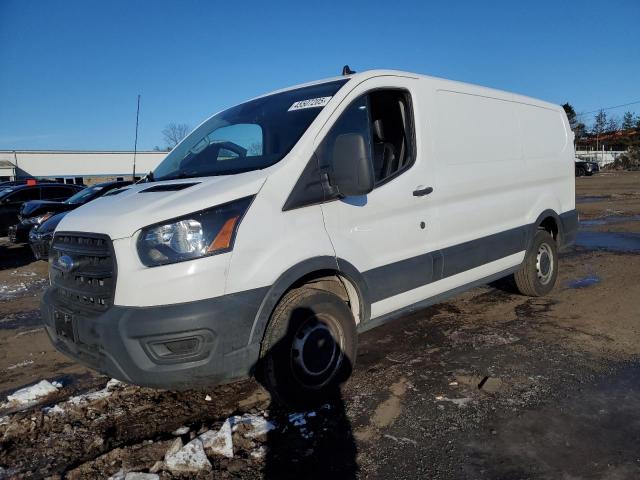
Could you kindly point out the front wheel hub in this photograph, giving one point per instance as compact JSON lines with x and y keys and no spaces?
{"x":544,"y":263}
{"x":315,"y":353}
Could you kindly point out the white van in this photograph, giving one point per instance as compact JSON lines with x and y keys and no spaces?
{"x":282,"y":227}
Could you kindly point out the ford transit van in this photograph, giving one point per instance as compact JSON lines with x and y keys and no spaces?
{"x":283,"y":226}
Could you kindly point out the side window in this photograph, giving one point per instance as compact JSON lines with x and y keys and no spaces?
{"x":383,"y":117}
{"x":25,"y":195}
{"x":392,"y":128}
{"x":56,"y":193}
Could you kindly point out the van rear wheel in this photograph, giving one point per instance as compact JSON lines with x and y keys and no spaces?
{"x":309,"y":347}
{"x":539,"y":271}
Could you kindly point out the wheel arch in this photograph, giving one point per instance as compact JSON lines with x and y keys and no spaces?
{"x":322,"y":271}
{"x":548,"y":220}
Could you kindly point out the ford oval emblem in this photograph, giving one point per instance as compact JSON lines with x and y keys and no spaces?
{"x":66,"y":263}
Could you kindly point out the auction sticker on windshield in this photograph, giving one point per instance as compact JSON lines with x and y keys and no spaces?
{"x":310,"y":103}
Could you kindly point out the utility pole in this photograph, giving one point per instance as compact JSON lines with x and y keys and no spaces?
{"x":16,"y":173}
{"x":135,"y":144}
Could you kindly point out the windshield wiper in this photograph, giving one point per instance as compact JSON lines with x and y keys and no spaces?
{"x":177,"y":176}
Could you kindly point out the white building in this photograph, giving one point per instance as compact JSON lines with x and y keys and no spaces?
{"x":75,"y":166}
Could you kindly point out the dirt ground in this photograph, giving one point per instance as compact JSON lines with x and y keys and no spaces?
{"x":490,"y":384}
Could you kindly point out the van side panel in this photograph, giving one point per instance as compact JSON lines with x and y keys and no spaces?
{"x":481,"y":170}
{"x":500,"y":162}
{"x":548,"y":152}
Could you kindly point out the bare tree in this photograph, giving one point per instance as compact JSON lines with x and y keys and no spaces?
{"x":174,"y":133}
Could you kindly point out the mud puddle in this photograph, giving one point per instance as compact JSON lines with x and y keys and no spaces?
{"x":609,"y":220}
{"x":584,"y":282}
{"x":21,"y":320}
{"x":611,"y":241}
{"x":591,"y":198}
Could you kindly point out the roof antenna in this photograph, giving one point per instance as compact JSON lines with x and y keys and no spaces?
{"x":347,"y":71}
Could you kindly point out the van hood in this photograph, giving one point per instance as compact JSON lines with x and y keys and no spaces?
{"x":125,"y":211}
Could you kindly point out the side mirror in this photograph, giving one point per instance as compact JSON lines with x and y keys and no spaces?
{"x":352,"y":168}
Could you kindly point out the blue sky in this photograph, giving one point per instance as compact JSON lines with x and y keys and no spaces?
{"x":70,"y":70}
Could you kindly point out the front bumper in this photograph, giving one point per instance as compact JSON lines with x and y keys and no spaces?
{"x":138,"y":344}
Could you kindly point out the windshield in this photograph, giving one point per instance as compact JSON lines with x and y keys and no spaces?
{"x":249,"y":136}
{"x":84,"y":195}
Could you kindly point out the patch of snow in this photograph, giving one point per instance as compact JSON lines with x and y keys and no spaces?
{"x":97,"y":395}
{"x":401,"y":439}
{"x":29,"y":332}
{"x":159,"y":465}
{"x":141,"y":476}
{"x":297,"y":419}
{"x":259,"y":453}
{"x":460,"y":402}
{"x":180,"y":431}
{"x":55,"y":410}
{"x":256,"y":425}
{"x":189,"y":459}
{"x":23,"y":274}
{"x":7,"y":291}
{"x":175,"y":446}
{"x":29,"y":395}
{"x":113,"y":383}
{"x":220,"y":442}
{"x":119,"y":475}
{"x":24,"y":363}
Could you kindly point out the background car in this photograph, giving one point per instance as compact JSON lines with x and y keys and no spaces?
{"x":41,"y":233}
{"x":35,"y":212}
{"x":13,"y":197}
{"x":584,"y":167}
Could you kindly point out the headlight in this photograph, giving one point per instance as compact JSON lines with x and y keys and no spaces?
{"x":200,"y":234}
{"x":37,"y":220}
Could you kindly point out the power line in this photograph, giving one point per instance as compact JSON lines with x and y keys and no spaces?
{"x":609,"y":108}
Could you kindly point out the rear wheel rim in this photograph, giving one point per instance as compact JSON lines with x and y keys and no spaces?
{"x":544,"y":264}
{"x":317,"y":351}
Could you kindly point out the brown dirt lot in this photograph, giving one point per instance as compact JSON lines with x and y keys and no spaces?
{"x":487,"y":385}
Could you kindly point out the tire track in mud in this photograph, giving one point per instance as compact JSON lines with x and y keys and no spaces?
{"x":36,"y":442}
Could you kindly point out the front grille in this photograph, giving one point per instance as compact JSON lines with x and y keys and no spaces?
{"x":40,"y":249}
{"x":85,"y":280}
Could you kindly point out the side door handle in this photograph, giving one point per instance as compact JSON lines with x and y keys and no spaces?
{"x":420,"y":191}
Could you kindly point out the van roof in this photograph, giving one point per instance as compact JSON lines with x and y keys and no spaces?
{"x":365,"y":75}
